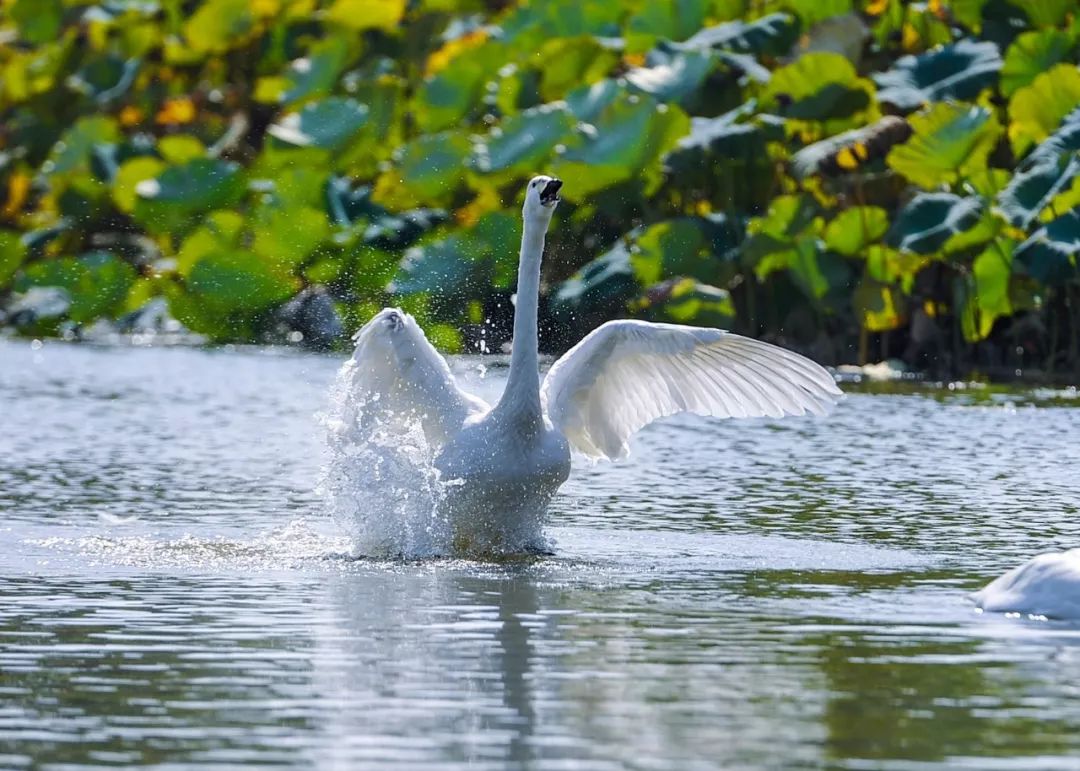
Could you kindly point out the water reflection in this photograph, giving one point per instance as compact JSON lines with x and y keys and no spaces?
{"x":738,"y":595}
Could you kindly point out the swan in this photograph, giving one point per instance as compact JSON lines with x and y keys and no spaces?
{"x":1047,"y":585}
{"x":500,"y":466}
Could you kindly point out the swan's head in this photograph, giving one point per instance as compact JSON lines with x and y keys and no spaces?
{"x":541,"y":198}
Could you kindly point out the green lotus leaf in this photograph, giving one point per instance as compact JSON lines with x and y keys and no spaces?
{"x":74,"y":150}
{"x":950,"y":141}
{"x":665,"y":21}
{"x":428,"y":170}
{"x":128,"y":177}
{"x":180,"y":148}
{"x":367,"y":14}
{"x":12,"y":254}
{"x":712,"y":139}
{"x":771,"y":35}
{"x":671,"y":77}
{"x":1031,"y":191}
{"x":219,"y":231}
{"x":599,"y":290}
{"x":1046,"y":13}
{"x":588,"y":102}
{"x":855,"y":229}
{"x":217,"y":25}
{"x":312,"y":75}
{"x":239,"y":281}
{"x":673,"y":248}
{"x":930,"y":219}
{"x":288,"y":235}
{"x":958,"y":71}
{"x":686,"y":301}
{"x":1065,"y":140}
{"x":169,"y":201}
{"x":1030,"y":55}
{"x":851,"y":150}
{"x":988,"y":298}
{"x":819,"y":86}
{"x":105,"y":78}
{"x":481,"y":256}
{"x":623,"y":142}
{"x":326,"y":124}
{"x":569,"y":63}
{"x":449,"y":95}
{"x":1050,"y":254}
{"x":38,"y":21}
{"x":522,"y":142}
{"x":1038,"y":109}
{"x":96,"y":282}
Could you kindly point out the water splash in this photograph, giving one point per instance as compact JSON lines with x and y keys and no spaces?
{"x":293,"y":545}
{"x":379,"y":480}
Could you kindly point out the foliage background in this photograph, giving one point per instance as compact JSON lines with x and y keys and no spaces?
{"x":855,"y":178}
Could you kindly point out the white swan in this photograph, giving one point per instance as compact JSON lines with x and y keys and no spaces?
{"x":1048,"y":585}
{"x":502,"y":465}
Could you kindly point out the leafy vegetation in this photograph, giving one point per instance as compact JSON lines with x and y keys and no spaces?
{"x":857,"y":178}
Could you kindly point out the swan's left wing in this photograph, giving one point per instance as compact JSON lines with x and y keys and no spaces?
{"x":396,"y":375}
{"x":626,"y":374}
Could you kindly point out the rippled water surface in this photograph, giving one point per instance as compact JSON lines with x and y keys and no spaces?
{"x":765,"y":594}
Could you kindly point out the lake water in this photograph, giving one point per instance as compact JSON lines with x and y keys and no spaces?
{"x":738,"y":594}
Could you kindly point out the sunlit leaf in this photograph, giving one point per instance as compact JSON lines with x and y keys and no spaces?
{"x":958,"y":71}
{"x":950,"y":141}
{"x":218,"y":24}
{"x":820,"y":87}
{"x":1046,"y":13}
{"x":569,"y":63}
{"x":327,"y":124}
{"x":38,"y":20}
{"x":878,"y":306}
{"x":367,"y":14}
{"x":990,"y":276}
{"x":522,"y":142}
{"x":930,"y":219}
{"x":288,"y":235}
{"x":1032,"y":190}
{"x":1036,"y":110}
{"x":427,"y":170}
{"x":168,"y":201}
{"x":686,"y":301}
{"x":129,"y":175}
{"x":1030,"y":55}
{"x":854,"y":229}
{"x":671,"y":77}
{"x":72,"y":152}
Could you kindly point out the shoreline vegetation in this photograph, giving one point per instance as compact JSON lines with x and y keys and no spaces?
{"x":859,"y":180}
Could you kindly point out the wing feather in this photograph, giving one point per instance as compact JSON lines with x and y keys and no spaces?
{"x":626,"y":374}
{"x":396,"y":375}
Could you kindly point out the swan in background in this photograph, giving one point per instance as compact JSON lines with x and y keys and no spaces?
{"x":500,"y":466}
{"x":1048,"y":585}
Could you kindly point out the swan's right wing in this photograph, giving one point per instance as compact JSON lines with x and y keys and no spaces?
{"x":395,"y":375}
{"x":626,"y":374}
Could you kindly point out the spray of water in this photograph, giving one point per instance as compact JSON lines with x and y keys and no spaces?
{"x":379,"y":480}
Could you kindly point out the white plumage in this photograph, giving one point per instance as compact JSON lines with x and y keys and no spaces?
{"x":502,"y":465}
{"x":1047,"y":585}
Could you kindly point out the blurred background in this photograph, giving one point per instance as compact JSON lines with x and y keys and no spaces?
{"x":860,"y":180}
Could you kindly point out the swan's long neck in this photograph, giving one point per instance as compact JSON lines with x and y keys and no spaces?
{"x":521,"y":399}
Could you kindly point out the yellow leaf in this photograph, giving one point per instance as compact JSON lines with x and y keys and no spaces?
{"x":266,"y":8}
{"x":367,"y":14}
{"x":860,"y":151}
{"x":876,"y":7}
{"x":18,"y":188}
{"x":909,"y":40}
{"x":439,"y":60}
{"x":487,"y":200}
{"x":634,"y":60}
{"x":176,"y":111}
{"x":846,"y":159}
{"x":937,"y":8}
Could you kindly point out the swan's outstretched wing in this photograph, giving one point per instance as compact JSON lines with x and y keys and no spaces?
{"x":626,"y":374}
{"x":396,"y":375}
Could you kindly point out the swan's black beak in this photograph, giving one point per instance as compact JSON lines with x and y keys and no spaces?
{"x":549,"y":196}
